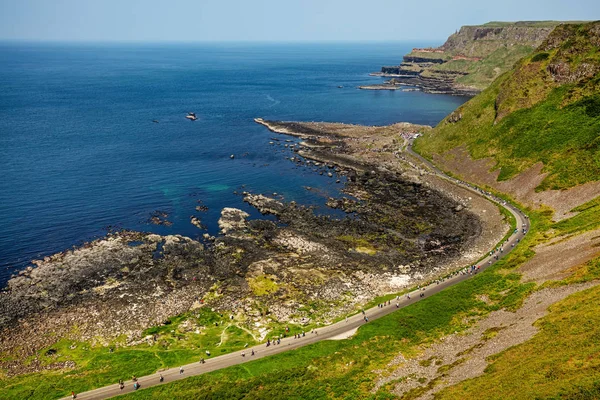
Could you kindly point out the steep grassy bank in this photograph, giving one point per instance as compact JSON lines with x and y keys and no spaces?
{"x":545,"y":110}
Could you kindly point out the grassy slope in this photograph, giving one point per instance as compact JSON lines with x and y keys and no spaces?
{"x":560,"y":362}
{"x":557,"y":125}
{"x":97,"y":366}
{"x":482,"y":73}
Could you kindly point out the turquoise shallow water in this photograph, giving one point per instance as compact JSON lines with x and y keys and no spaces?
{"x":79,"y":151}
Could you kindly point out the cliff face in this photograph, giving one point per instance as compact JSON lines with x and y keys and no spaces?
{"x":480,"y":41}
{"x":546,"y":110}
{"x":471,"y":58}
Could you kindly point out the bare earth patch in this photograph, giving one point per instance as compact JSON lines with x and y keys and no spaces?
{"x":458,"y":357}
{"x":553,"y":260}
{"x":345,"y":335}
{"x":522,"y":186}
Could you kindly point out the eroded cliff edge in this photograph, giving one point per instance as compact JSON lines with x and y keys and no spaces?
{"x":469,"y":60}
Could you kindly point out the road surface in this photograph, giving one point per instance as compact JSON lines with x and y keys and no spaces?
{"x":339,"y":329}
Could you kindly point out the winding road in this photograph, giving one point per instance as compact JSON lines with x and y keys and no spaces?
{"x":342,"y":329}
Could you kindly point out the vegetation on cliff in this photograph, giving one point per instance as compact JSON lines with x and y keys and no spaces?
{"x":547,"y":109}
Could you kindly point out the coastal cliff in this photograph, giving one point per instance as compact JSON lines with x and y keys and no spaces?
{"x":541,"y":118}
{"x":470,"y":59}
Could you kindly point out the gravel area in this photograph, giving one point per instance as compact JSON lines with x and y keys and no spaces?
{"x":458,"y":357}
{"x":554,"y":260}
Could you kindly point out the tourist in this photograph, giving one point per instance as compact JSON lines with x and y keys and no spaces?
{"x":180,"y":370}
{"x":161,"y":378}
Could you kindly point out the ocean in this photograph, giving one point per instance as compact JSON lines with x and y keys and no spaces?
{"x":80,"y":153}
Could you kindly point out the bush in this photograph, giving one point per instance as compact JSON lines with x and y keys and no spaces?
{"x":540,"y":57}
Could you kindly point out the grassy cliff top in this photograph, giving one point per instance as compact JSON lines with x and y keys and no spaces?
{"x":547,"y":108}
{"x":533,"y":24}
{"x":478,"y":54}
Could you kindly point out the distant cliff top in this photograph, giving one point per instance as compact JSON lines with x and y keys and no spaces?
{"x":473,"y":56}
{"x":481,"y":41}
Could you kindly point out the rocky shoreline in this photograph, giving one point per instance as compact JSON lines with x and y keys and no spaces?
{"x":403,"y":226}
{"x":426,"y":85}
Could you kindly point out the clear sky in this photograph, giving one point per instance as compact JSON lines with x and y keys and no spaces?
{"x":269,"y":20}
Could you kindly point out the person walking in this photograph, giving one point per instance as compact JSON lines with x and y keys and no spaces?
{"x":180,"y":370}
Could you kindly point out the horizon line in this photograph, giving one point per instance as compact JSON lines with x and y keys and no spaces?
{"x":226,"y":41}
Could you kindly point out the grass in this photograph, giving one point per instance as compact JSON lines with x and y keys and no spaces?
{"x":484,"y":72}
{"x":263,"y":285}
{"x":588,"y":218}
{"x":343,"y":369}
{"x":184,"y":339}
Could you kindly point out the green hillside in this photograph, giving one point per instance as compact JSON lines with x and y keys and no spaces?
{"x":546,"y":109}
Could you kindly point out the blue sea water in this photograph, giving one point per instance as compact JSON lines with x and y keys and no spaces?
{"x":79,"y":151}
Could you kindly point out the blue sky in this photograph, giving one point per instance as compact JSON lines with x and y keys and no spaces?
{"x":268,"y":20}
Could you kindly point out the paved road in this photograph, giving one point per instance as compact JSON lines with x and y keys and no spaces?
{"x":328,"y":332}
